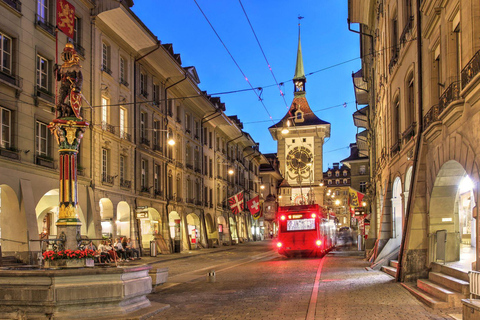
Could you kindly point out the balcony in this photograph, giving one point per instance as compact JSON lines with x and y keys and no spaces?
{"x":80,"y":50}
{"x":45,"y":95}
{"x":126,"y":136}
{"x":109,"y":128}
{"x":408,"y":134}
{"x":15,"y":4}
{"x":190,"y":200}
{"x":471,"y":69}
{"x":106,"y":179}
{"x":106,"y":70}
{"x":394,"y":59}
{"x":45,"y":161}
{"x":170,"y":113}
{"x":45,"y":25}
{"x":189,"y":166}
{"x":198,"y":202}
{"x":198,"y":170}
{"x":210,"y":205}
{"x":395,"y":148}
{"x":450,"y":94}
{"x":431,"y":116}
{"x":178,"y":120}
{"x":178,"y":199}
{"x":124,"y":83}
{"x":157,"y":147}
{"x":158,"y":193}
{"x":10,"y":153}
{"x":170,"y":197}
{"x":145,"y":189}
{"x":14,"y":81}
{"x":178,"y":164}
{"x":144,"y":94}
{"x":188,"y":131}
{"x":145,"y":141}
{"x":127,"y":184}
{"x":406,"y":31}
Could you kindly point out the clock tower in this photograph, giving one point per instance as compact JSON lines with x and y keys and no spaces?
{"x":300,"y":136}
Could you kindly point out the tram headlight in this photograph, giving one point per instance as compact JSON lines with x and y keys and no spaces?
{"x":283,"y":218}
{"x":279,"y":244}
{"x":318,"y":243}
{"x":313,"y":215}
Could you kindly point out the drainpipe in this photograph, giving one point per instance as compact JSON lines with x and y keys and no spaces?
{"x":135,"y":122}
{"x":363,"y":34}
{"x":417,"y":144}
{"x":165,"y":177}
{"x":205,"y":119}
{"x":248,"y":182}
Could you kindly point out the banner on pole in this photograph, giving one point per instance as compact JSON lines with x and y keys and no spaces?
{"x":66,"y":17}
{"x":236,"y":203}
{"x":254,"y":207}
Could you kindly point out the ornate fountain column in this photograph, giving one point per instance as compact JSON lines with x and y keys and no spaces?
{"x":68,"y":129}
{"x":69,"y":134}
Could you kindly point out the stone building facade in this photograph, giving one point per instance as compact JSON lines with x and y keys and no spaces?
{"x":419,"y":82}
{"x":131,"y":181}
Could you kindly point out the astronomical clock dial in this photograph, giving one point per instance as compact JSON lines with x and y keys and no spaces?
{"x":299,"y":85}
{"x":298,"y":159}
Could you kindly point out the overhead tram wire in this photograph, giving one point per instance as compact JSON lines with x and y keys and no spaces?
{"x":211,"y":94}
{"x":231,"y":56}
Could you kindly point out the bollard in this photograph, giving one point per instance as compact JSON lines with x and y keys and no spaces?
{"x":211,"y":276}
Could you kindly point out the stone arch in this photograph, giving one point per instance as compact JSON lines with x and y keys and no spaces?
{"x":13,"y":226}
{"x":175,"y":225}
{"x":46,"y":212}
{"x":397,"y":211}
{"x":123,"y":219}
{"x":193,"y":229}
{"x":106,"y":216}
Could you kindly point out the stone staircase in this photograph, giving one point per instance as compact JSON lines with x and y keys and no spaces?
{"x":391,"y":269}
{"x":11,"y":261}
{"x":444,"y":288}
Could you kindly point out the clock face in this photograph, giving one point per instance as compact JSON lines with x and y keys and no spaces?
{"x":298,"y":159}
{"x":299,"y":85}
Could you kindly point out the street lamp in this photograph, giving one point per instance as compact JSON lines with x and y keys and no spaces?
{"x":170,"y":140}
{"x":285,"y":129}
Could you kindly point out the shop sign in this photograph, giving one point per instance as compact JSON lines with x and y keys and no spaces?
{"x":142,"y":215}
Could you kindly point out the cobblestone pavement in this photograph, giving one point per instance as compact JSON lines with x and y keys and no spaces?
{"x":252,"y":282}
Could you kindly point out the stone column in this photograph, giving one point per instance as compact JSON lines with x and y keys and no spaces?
{"x":68,"y":134}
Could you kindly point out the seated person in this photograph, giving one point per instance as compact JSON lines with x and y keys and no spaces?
{"x":131,"y":246}
{"x":121,"y":252}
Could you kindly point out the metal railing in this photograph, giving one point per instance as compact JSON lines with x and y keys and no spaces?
{"x":108,"y":179}
{"x":431,"y":116}
{"x":450,"y":94}
{"x":474,"y":279}
{"x":106,"y":70}
{"x":125,"y":183}
{"x":406,"y":30}
{"x":45,"y":25}
{"x":471,"y":69}
{"x":15,"y":4}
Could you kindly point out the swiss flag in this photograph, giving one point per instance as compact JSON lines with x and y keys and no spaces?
{"x":236,"y":203}
{"x":254,"y":205}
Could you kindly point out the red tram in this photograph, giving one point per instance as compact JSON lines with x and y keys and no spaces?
{"x":305,"y":230}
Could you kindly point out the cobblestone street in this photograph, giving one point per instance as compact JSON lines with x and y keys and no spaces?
{"x":253,"y":282}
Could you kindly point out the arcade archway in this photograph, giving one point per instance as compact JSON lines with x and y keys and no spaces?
{"x":13,"y":224}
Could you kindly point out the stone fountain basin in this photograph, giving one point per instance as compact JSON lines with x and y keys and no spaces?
{"x":73,"y":293}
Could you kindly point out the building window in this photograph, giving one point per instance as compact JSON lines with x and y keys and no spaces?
{"x":337,"y":181}
{"x":396,"y":121}
{"x":394,"y":40}
{"x":5,"y":53}
{"x":5,"y":123}
{"x":410,"y":114}
{"x":156,"y":94}
{"x":42,"y":139}
{"x":42,"y":10}
{"x":106,"y":58}
{"x":337,"y":174}
{"x":76,"y":31}
{"x":329,"y":181}
{"x":156,"y":178}
{"x":345,"y":181}
{"x":363,"y":187}
{"x":156,"y":134}
{"x":42,"y":72}
{"x":345,"y":173}
{"x":437,"y":65}
{"x":143,"y":174}
{"x":105,"y":103}
{"x":143,"y":122}
{"x":329,"y":173}
{"x":123,"y":122}
{"x":122,"y":168}
{"x":123,"y":77}
{"x":143,"y":84}
{"x":362,"y":169}
{"x":458,"y":49}
{"x":104,"y":164}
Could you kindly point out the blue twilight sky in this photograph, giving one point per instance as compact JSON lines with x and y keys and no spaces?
{"x":326,"y":44}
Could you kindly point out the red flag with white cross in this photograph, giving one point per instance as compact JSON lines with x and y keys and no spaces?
{"x":254,"y":205}
{"x":236,"y":203}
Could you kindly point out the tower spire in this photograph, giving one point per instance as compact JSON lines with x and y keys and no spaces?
{"x":299,"y":78}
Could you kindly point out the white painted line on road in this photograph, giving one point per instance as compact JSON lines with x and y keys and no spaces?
{"x":313,"y":299}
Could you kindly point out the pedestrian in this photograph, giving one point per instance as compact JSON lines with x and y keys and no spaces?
{"x":271,"y":234}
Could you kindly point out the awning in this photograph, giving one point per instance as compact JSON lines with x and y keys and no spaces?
{"x":362,"y":143}
{"x":360,"y":118}
{"x":360,"y":11}
{"x":361,"y":87}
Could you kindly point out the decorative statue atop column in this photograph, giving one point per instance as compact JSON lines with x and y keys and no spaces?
{"x":68,"y":129}
{"x":71,"y":79}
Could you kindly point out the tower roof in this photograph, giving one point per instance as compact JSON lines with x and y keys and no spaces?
{"x":300,"y":103}
{"x":299,"y":72}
